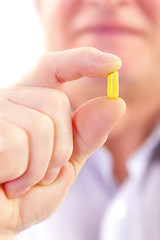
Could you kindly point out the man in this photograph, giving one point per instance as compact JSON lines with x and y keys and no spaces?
{"x":111,"y":198}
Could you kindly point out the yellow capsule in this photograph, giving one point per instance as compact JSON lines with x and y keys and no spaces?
{"x":113,"y":85}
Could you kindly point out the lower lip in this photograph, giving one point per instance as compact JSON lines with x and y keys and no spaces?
{"x":109,"y":32}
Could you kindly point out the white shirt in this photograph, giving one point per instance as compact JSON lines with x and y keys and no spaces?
{"x":97,"y":209}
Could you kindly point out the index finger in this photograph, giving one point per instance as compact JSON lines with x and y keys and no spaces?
{"x":54,"y":68}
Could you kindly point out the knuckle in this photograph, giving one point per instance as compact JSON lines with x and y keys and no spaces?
{"x":15,"y":154}
{"x":44,"y":58}
{"x":92,"y":54}
{"x":62,"y":100}
{"x":47,"y":59}
{"x":20,"y":137}
{"x":89,"y":50}
{"x":44,"y":62}
{"x":65,"y":154}
{"x":19,"y":151}
{"x":55,"y":98}
{"x":44,"y":125}
{"x":62,"y":155}
{"x":35,"y":176}
{"x":92,"y":50}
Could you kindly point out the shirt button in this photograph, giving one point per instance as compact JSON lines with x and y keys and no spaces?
{"x":119,"y":209}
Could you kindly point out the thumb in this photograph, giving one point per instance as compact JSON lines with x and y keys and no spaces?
{"x":92,"y":123}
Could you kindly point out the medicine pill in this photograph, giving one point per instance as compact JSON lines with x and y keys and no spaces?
{"x":113,"y":85}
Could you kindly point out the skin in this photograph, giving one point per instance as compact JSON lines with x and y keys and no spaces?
{"x":33,"y":111}
{"x":32,"y":114}
{"x":136,"y":42}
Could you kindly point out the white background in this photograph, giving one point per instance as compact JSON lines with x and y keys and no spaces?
{"x":21,"y":39}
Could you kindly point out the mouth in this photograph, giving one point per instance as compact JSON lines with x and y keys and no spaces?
{"x":110,"y":30}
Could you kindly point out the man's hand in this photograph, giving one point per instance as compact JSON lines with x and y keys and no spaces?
{"x":42,"y":146}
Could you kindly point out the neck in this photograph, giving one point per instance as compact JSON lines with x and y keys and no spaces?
{"x":130,"y":134}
